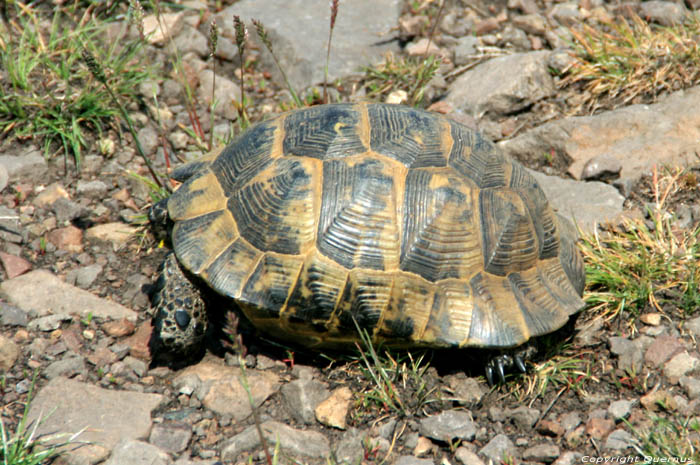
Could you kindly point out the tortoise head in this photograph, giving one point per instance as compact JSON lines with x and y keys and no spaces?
{"x":180,"y":320}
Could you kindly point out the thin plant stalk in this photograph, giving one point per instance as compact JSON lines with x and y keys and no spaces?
{"x":241,"y":40}
{"x":435,"y":23}
{"x":99,"y":74}
{"x":262,"y":33}
{"x":213,"y":40}
{"x":334,"y":14}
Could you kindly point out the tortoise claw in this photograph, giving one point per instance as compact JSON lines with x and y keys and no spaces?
{"x":501,"y":370}
{"x":520,"y":364}
{"x":489,"y":374}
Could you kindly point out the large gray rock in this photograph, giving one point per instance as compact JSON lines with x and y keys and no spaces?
{"x":494,"y":88}
{"x":41,"y":293}
{"x":637,"y":137}
{"x":294,"y":442}
{"x":29,"y":166}
{"x":449,"y":425}
{"x":585,"y":203}
{"x":362,"y":35}
{"x":104,"y":416}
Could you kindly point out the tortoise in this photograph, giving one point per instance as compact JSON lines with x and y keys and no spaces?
{"x":395,"y":220}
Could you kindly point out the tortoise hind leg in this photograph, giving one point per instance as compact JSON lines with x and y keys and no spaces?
{"x":179,"y":316}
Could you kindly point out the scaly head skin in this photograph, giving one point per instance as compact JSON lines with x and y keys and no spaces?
{"x":180,"y":319}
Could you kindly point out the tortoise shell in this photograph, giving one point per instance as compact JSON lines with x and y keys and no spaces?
{"x":409,"y":224}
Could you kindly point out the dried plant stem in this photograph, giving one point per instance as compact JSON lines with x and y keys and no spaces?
{"x":241,"y":40}
{"x":213,"y":40}
{"x":432,"y":29}
{"x":334,"y":14}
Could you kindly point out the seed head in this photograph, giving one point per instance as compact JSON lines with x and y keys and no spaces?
{"x":334,"y":11}
{"x":241,"y":32}
{"x":262,"y":33}
{"x":213,"y":37}
{"x":136,"y":17}
{"x":94,"y":66}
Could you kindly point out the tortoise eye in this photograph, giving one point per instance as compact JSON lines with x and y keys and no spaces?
{"x":182,"y":318}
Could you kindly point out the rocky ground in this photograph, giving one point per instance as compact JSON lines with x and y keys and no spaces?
{"x":77,"y":269}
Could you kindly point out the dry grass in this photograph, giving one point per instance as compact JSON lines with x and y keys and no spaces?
{"x":620,"y":62}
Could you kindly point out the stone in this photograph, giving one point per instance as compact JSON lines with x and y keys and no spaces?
{"x":691,"y":386}
{"x":48,"y":322}
{"x":138,"y":343}
{"x":620,"y":409}
{"x":10,"y":229}
{"x":569,"y":458}
{"x":40,"y":293}
{"x":305,"y":443}
{"x":302,"y":396}
{"x":191,"y":40}
{"x":630,"y":353}
{"x":28,"y":167}
{"x":149,"y":139}
{"x":448,"y":426}
{"x":524,"y":417}
{"x":350,"y":448}
{"x":12,"y":316}
{"x":541,"y":453}
{"x":226,"y":94}
{"x":466,"y":50}
{"x":601,"y":168}
{"x":662,"y":349}
{"x":84,"y":276}
{"x":359,"y":37}
{"x":424,"y":47}
{"x":115,"y":233}
{"x":67,"y":366}
{"x":424,"y":446}
{"x":693,"y":325}
{"x":9,"y":351}
{"x":660,"y":399}
{"x":651,"y":319}
{"x":159,"y":29}
{"x":66,"y":210}
{"x":532,"y":23}
{"x":620,"y":440}
{"x":467,"y":457}
{"x":222,"y":392}
{"x":680,"y":365}
{"x":485,"y":90}
{"x":97,"y":412}
{"x":602,"y":202}
{"x":550,"y":428}
{"x":663,"y":12}
{"x":638,"y":136}
{"x":334,"y":410}
{"x":499,"y":448}
{"x":119,"y":328}
{"x":94,"y":189}
{"x":598,"y":428}
{"x":465,"y":391}
{"x":4,"y":177}
{"x":69,"y":238}
{"x":171,"y":437}
{"x":566,"y":14}
{"x":13,"y":265}
{"x":129,"y":451}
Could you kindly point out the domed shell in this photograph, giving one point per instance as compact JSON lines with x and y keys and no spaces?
{"x":403,"y":221}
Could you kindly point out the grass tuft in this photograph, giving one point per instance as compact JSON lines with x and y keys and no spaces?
{"x":410,"y":75}
{"x":645,"y":266}
{"x":622,"y":60}
{"x":45,"y":93}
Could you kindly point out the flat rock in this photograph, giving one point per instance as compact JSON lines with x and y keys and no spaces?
{"x":160,"y":28}
{"x":131,"y":452}
{"x":221,"y":391}
{"x":499,"y":448}
{"x":98,"y":413}
{"x":465,"y":391}
{"x":40,"y":293}
{"x":27,"y":167}
{"x":302,"y":396}
{"x":9,"y":351}
{"x":467,"y":457}
{"x":68,"y":238}
{"x":691,"y":386}
{"x":493,"y":88}
{"x":620,"y":440}
{"x":169,"y":437}
{"x":116,"y":233}
{"x":333,"y":411}
{"x":585,"y":203}
{"x":13,"y":265}
{"x":637,"y":136}
{"x":662,"y":349}
{"x":541,"y":453}
{"x":362,"y":35}
{"x":292,"y":441}
{"x":680,"y":365}
{"x":620,"y":409}
{"x":449,"y":425}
